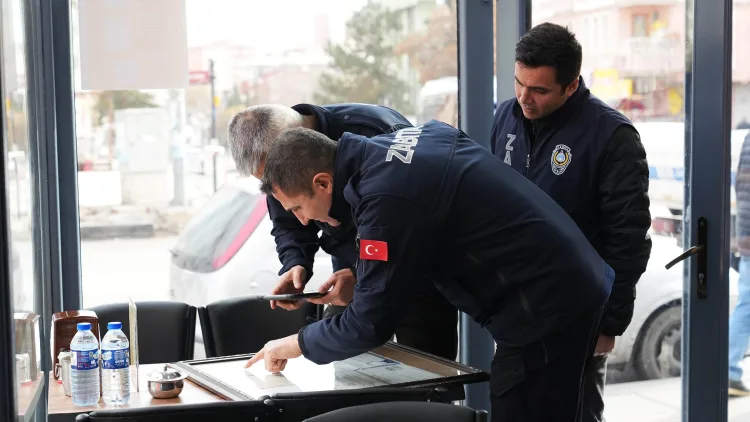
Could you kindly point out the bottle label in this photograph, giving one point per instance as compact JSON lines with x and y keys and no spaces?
{"x":83,"y":360}
{"x":115,"y":359}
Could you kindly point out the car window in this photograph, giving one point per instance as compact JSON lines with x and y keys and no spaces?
{"x":217,"y":231}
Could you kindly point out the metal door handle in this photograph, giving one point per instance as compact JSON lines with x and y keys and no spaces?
{"x":690,"y":252}
{"x":700,"y":251}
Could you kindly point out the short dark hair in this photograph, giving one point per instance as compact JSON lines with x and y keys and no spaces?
{"x":297,"y":155}
{"x":549,"y":44}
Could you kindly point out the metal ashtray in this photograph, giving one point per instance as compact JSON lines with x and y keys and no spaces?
{"x":166,"y":384}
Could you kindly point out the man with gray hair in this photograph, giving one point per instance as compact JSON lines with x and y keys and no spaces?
{"x":431,"y":321}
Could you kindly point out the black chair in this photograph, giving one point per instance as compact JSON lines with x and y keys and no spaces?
{"x":404,"y":412}
{"x":166,"y":330}
{"x":245,"y":325}
{"x":243,"y":411}
{"x":295,"y":407}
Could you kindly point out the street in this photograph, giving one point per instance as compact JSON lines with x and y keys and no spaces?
{"x":113,"y":270}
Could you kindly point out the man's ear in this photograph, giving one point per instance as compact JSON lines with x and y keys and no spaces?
{"x":323,"y":181}
{"x":571,"y":88}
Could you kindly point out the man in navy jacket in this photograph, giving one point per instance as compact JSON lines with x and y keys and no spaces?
{"x":430,"y":201}
{"x":431,"y":323}
{"x":589,"y":158}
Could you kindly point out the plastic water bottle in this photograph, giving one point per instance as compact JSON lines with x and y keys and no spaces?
{"x":115,"y":366}
{"x":84,"y":366}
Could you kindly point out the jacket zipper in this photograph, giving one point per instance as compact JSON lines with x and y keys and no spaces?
{"x":531,"y":149}
{"x":528,"y":164}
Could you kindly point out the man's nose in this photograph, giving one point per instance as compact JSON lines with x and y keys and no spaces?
{"x":525,"y":98}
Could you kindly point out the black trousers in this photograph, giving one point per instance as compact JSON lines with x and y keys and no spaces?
{"x":543,"y":381}
{"x":594,"y":379}
{"x":431,"y":324}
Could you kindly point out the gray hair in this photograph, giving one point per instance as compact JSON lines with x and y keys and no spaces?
{"x":253,"y":130}
{"x":295,"y":158}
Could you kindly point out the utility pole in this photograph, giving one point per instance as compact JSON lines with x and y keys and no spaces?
{"x":212,"y":78}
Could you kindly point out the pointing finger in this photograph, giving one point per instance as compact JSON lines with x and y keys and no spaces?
{"x":258,"y":356}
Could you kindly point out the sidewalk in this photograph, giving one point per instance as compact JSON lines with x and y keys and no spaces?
{"x":657,"y":401}
{"x":121,"y":222}
{"x":132,"y":221}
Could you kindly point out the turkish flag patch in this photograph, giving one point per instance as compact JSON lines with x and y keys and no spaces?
{"x":374,"y":250}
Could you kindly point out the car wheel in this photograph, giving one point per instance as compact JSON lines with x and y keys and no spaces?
{"x":658,"y":354}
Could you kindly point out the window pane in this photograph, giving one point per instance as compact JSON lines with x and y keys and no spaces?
{"x":18,"y":191}
{"x":739,"y":287}
{"x":634,"y":60}
{"x":164,"y":214}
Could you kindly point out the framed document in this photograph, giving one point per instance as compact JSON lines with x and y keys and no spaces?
{"x":391,"y":365}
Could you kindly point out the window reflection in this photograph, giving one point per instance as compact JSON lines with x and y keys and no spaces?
{"x":18,"y":191}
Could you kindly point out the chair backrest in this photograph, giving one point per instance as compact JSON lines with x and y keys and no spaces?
{"x":243,"y":411}
{"x":166,"y":330}
{"x":245,"y":325}
{"x":295,"y":407}
{"x":404,"y":412}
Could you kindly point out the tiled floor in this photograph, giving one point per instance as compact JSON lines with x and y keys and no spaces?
{"x":657,"y":401}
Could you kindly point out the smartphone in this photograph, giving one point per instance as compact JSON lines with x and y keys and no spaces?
{"x":293,"y":296}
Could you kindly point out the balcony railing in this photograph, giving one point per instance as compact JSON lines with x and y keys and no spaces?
{"x":641,"y":56}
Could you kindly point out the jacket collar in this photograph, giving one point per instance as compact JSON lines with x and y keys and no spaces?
{"x":323,"y":117}
{"x":563,"y":113}
{"x":346,"y":165}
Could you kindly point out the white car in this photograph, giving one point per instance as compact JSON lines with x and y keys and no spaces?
{"x":652,"y":341}
{"x":226,"y":250}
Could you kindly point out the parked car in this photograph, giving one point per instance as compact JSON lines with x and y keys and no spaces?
{"x":652,"y":342}
{"x":226,"y":249}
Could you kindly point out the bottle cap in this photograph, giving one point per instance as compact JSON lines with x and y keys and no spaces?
{"x":83,"y":326}
{"x":114,"y":326}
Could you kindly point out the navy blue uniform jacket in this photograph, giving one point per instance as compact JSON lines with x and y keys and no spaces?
{"x":433,"y":202}
{"x":296,"y":244}
{"x":589,"y":158}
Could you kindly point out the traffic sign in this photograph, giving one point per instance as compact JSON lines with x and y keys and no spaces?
{"x":199,"y":77}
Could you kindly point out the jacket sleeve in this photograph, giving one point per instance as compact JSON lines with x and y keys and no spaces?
{"x":338,"y":264}
{"x":296,"y":244}
{"x":385,"y":288}
{"x":624,"y":205}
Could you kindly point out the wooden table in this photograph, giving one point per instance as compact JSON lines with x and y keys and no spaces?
{"x":61,"y":407}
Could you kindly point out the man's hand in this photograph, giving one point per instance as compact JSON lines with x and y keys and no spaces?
{"x":604,"y":345}
{"x":276,"y":353}
{"x":340,"y":288}
{"x":292,"y":281}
